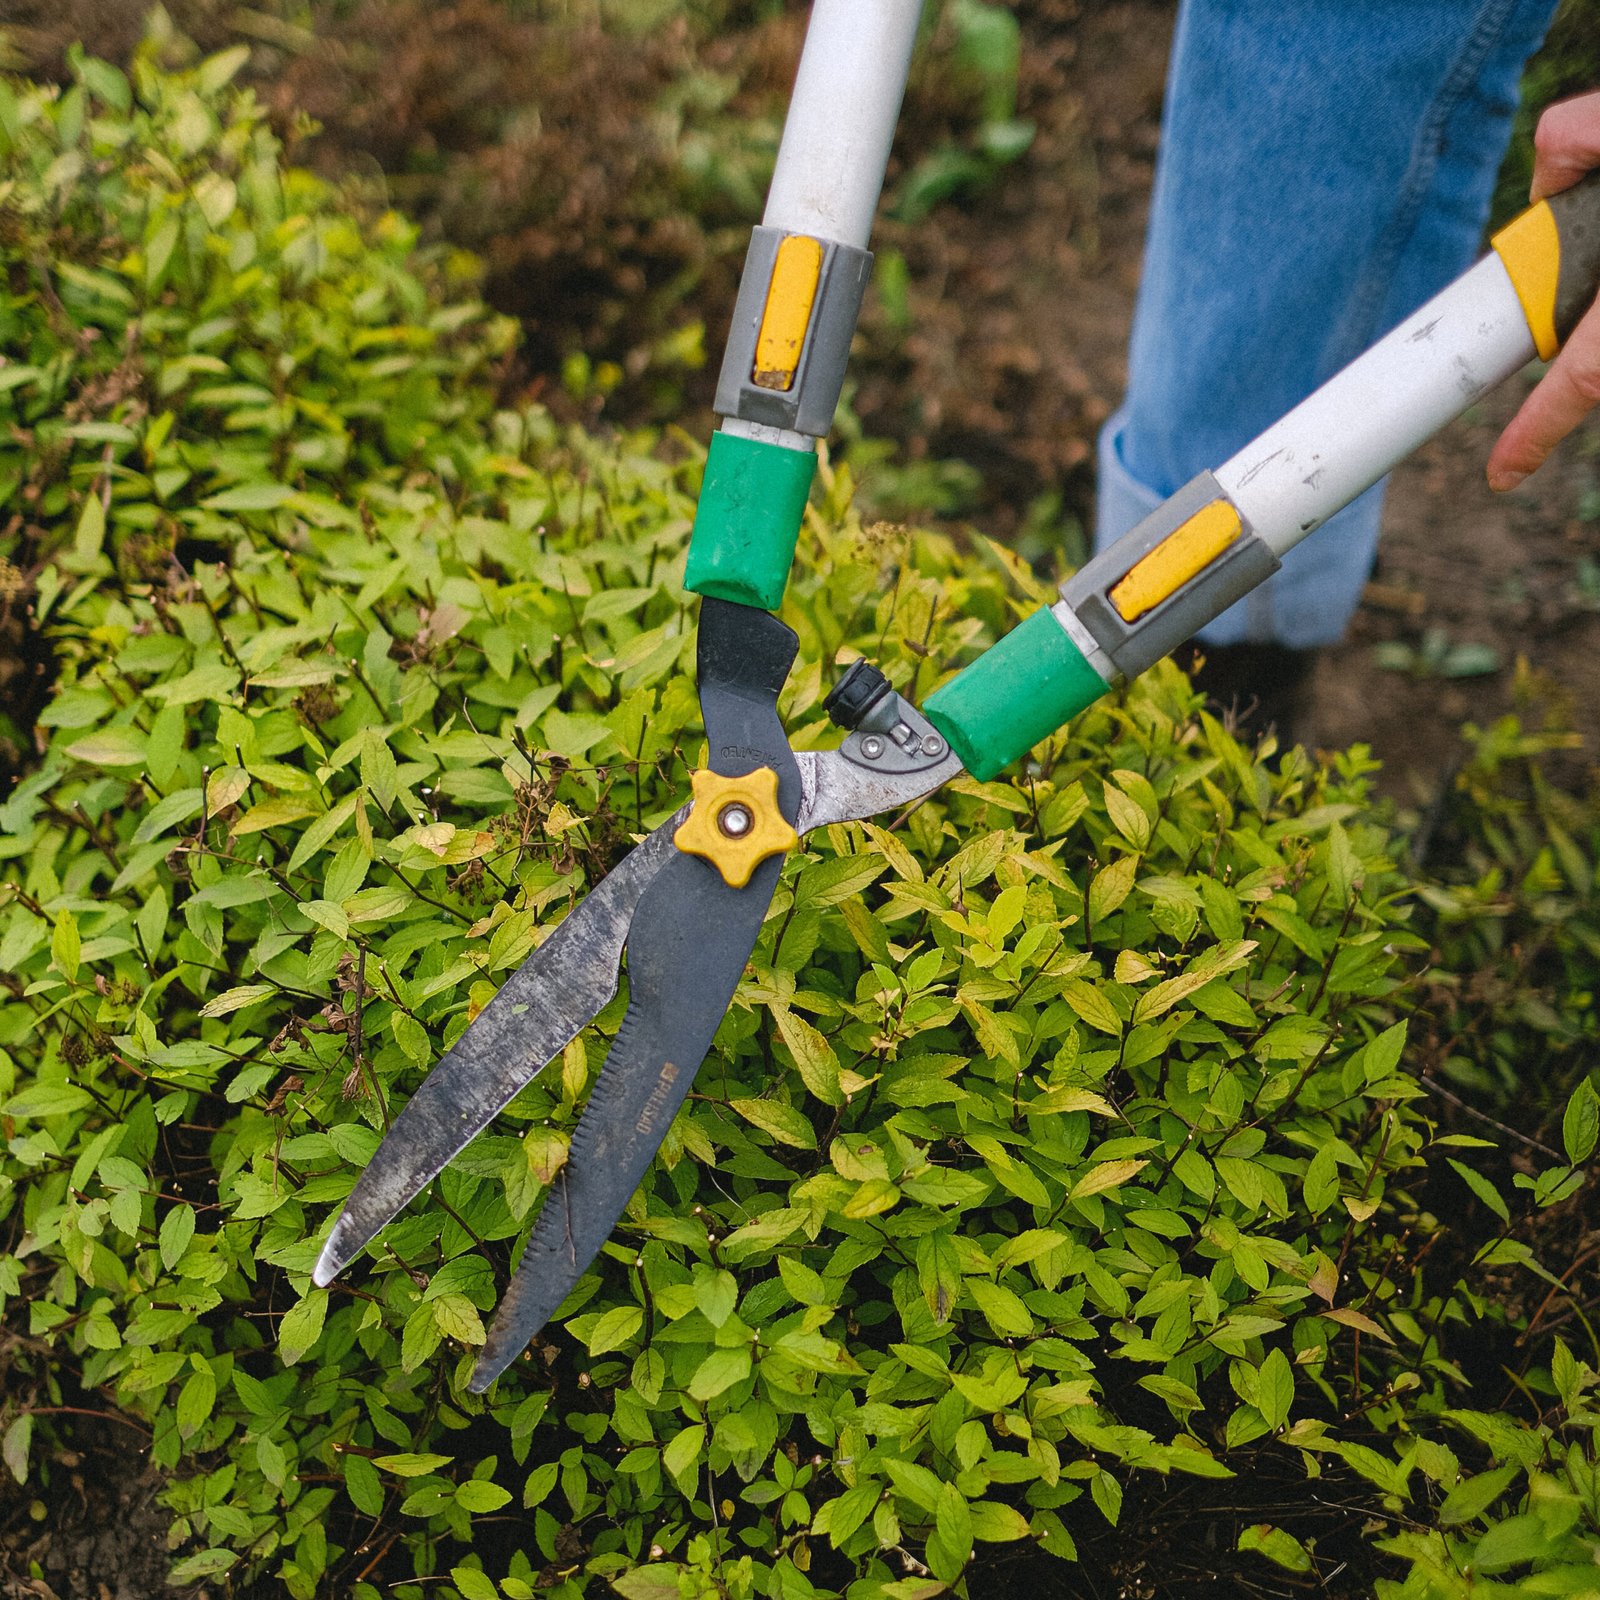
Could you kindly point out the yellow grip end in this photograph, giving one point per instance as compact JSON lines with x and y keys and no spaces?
{"x":1185,"y":552}
{"x":790,"y":296}
{"x":1530,"y":248}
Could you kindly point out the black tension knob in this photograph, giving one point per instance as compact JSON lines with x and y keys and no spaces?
{"x":855,"y":694}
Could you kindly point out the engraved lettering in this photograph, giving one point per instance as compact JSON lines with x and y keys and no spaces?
{"x":744,"y":752}
{"x":658,"y":1097}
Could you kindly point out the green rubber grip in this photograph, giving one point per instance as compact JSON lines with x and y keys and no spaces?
{"x":1014,"y":695}
{"x":752,"y":502}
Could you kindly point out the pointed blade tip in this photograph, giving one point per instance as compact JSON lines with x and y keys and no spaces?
{"x":482,"y":1376}
{"x":337,"y":1253}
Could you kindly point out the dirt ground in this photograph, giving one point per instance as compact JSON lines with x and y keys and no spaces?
{"x":95,"y":1531}
{"x":1020,"y":308}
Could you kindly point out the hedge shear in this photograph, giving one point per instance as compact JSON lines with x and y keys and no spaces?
{"x":688,"y":903}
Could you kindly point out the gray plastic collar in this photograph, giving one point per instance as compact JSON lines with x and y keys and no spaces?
{"x":1133,"y":646}
{"x":808,"y":406}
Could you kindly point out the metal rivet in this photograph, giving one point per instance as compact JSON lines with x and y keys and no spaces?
{"x":933,"y":745}
{"x":735,"y":820}
{"x":872,"y":747}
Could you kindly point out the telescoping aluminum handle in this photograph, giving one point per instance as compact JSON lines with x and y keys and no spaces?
{"x":1228,"y":530}
{"x":804,"y":276}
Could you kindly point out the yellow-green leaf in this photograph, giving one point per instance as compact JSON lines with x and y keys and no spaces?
{"x":1108,"y":1175}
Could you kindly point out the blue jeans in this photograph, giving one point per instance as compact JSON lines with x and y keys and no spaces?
{"x":1325,"y":167}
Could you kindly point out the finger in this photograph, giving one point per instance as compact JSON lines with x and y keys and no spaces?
{"x":1566,"y":145}
{"x":1566,"y":394}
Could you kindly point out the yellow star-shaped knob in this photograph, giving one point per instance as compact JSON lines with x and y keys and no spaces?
{"x":735,"y":823}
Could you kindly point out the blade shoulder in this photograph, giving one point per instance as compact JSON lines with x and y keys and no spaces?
{"x":894,"y":758}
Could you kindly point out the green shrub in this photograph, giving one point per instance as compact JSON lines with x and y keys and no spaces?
{"x":182,"y":319}
{"x":1061,"y":1143}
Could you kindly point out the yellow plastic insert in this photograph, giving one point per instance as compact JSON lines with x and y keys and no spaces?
{"x":1530,"y":247}
{"x":735,"y":823}
{"x":790,"y":296}
{"x":1189,"y":549}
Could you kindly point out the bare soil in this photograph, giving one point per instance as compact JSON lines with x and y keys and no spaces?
{"x":87,"y":1526}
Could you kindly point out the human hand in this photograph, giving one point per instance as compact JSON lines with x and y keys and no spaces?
{"x":1566,"y":145}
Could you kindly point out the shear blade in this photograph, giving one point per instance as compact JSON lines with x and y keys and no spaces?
{"x":545,"y":1003}
{"x":692,"y":934}
{"x":691,"y":938}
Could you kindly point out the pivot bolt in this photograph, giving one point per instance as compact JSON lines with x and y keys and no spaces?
{"x":735,"y":820}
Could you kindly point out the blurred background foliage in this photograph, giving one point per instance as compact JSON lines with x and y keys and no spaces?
{"x":604,"y":157}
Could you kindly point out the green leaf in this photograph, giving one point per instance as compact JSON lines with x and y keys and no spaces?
{"x":1128,"y":818}
{"x":813,"y":1056}
{"x":1277,"y":1546}
{"x":363,"y":1485}
{"x":1580,"y":1123}
{"x":217,"y":71}
{"x":410,"y":1464}
{"x":480,"y":1497}
{"x":657,"y":1581}
{"x":938,"y":1274}
{"x":950,"y":1548}
{"x":231,"y":1000}
{"x":1344,"y":870}
{"x":1275,"y":1378}
{"x":1178,"y":1395}
{"x":275,"y":813}
{"x":250,"y":497}
{"x":14,"y":1446}
{"x":1110,"y":887}
{"x":996,"y":1523}
{"x":719,"y":1371}
{"x":210,"y":1563}
{"x":65,"y":947}
{"x":47,"y":1100}
{"x":784,"y":1123}
{"x":1092,"y":1006}
{"x":1516,"y":1542}
{"x":1481,"y":1187}
{"x":1002,"y":1309}
{"x":301,"y":1326}
{"x":1566,"y":1373}
{"x":615,"y":1329}
{"x":682,"y":1455}
{"x":195,"y":1400}
{"x":1351,"y":1318}
{"x":378,"y":770}
{"x":1321,"y":1184}
{"x":457,"y":1318}
{"x":177,"y":1229}
{"x":177,"y":807}
{"x":110,"y":747}
{"x":1473,"y":1496}
{"x":716,"y":1294}
{"x":91,"y":532}
{"x":1107,"y":1175}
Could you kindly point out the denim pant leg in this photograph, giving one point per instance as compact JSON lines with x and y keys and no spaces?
{"x":1325,"y":167}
